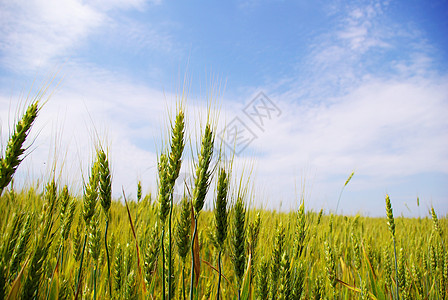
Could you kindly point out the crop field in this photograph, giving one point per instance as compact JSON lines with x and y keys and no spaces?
{"x":55,"y":244}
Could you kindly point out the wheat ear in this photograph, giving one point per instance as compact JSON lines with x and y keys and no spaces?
{"x":221,"y":218}
{"x":14,"y":148}
{"x":238,"y":240}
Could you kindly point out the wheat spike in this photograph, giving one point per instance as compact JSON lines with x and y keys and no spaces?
{"x":14,"y":148}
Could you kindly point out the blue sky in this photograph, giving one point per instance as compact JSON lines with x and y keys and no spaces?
{"x":357,"y":85}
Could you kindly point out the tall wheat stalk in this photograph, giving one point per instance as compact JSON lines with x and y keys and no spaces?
{"x":105,"y":196}
{"x":175,"y":162}
{"x":391,"y":225}
{"x":201,"y":185}
{"x":89,"y":203}
{"x":164,"y":208}
{"x":169,"y":168}
{"x":345,"y":184}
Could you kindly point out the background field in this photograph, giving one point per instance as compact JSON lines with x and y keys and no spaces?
{"x":362,"y":254}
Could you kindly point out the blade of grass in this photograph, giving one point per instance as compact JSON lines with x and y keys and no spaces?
{"x":355,"y":289}
{"x":14,"y":292}
{"x":223,"y":276}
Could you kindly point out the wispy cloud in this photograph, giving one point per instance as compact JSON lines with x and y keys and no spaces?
{"x":361,"y":29}
{"x":133,"y":37}
{"x":37,"y":34}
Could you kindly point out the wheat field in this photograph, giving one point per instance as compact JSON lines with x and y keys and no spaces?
{"x":56,"y":244}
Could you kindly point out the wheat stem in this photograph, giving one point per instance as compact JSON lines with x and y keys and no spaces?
{"x":183,"y":281}
{"x":169,"y":249}
{"x":345,"y":184}
{"x":163,"y":263}
{"x":192,"y":256}
{"x":107,"y":255}
{"x":219,"y":275}
{"x":80,"y":266}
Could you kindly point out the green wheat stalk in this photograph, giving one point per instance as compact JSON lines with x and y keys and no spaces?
{"x":201,"y":184}
{"x":391,"y":225}
{"x":345,"y":184}
{"x":105,"y":196}
{"x":89,"y":203}
{"x":175,"y":163}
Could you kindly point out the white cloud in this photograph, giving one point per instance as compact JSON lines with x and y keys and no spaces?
{"x":41,"y":33}
{"x":105,"y":5}
{"x":35,"y":32}
{"x":386,"y":130}
{"x":134,"y":37}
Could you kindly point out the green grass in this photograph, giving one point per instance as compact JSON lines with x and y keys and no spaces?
{"x":424,"y":258}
